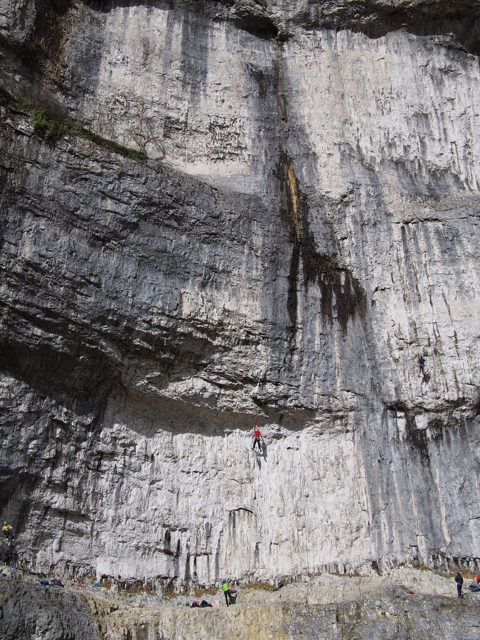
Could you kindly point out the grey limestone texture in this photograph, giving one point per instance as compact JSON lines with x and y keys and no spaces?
{"x":305,"y":226}
{"x":34,"y":612}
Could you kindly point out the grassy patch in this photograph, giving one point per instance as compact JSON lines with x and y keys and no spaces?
{"x":45,"y":126}
{"x":51,"y":126}
{"x":168,"y":592}
{"x":207,"y":591}
{"x":266,"y":586}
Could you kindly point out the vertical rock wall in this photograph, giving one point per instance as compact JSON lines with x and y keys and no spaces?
{"x":306,"y":226}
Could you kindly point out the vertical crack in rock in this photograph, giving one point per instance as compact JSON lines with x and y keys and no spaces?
{"x":341,"y":293}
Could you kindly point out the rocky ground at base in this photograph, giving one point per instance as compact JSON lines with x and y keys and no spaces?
{"x":401,"y":603}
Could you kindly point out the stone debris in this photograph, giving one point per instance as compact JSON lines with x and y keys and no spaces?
{"x":327,"y":606}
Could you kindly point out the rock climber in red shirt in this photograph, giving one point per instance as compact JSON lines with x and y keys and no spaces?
{"x":256,"y":438}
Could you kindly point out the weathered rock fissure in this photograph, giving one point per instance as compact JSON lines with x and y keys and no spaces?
{"x":341,"y":294}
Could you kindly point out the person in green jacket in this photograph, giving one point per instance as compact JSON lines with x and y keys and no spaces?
{"x":7,"y":530}
{"x":226,"y":591}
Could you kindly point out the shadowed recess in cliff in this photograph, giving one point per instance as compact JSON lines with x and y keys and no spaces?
{"x":43,"y":54}
{"x":49,"y":34}
{"x":341,"y":294}
{"x":59,"y":373}
{"x":50,"y":26}
{"x":148,"y":413}
{"x":261,"y":26}
{"x":454,"y":19}
{"x":457,"y":20}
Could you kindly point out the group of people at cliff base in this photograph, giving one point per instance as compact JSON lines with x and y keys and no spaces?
{"x":231,"y":593}
{"x":203,"y":604}
{"x":475,"y":586}
{"x":7,"y":531}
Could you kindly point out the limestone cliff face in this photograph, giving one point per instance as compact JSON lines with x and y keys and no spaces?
{"x":306,"y":225}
